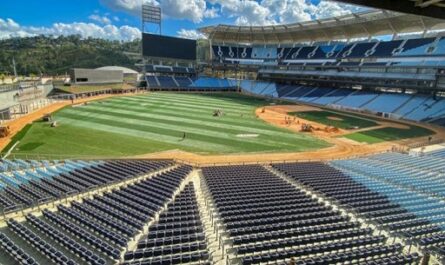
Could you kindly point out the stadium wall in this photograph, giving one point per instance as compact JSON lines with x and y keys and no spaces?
{"x":81,"y":76}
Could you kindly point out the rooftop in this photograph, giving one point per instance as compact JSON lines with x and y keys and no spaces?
{"x":359,"y":25}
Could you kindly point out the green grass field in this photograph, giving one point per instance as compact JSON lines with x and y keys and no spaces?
{"x":388,"y":134}
{"x":125,"y":126}
{"x":342,"y":121}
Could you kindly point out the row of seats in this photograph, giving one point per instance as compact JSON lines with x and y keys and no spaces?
{"x":407,"y":106}
{"x":179,"y":82}
{"x":169,"y":69}
{"x":265,"y":219}
{"x":354,"y":185}
{"x":178,"y":236}
{"x":51,"y":253}
{"x":394,"y":48}
{"x":20,"y":164}
{"x":98,"y":229}
{"x":17,"y":172}
{"x":15,"y":251}
{"x":42,"y":187}
{"x":79,"y":232}
{"x":76,"y":248}
{"x":437,"y":153}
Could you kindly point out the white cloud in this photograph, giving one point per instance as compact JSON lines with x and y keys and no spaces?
{"x":190,"y":34}
{"x":211,"y":13}
{"x":9,"y":29}
{"x":193,"y":10}
{"x":101,"y":19}
{"x":244,"y":12}
{"x":270,"y":12}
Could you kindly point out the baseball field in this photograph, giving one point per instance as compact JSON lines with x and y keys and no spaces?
{"x":156,"y":122}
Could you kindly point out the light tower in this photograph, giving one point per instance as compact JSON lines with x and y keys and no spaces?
{"x":151,"y":15}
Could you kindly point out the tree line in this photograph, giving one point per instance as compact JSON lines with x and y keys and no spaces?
{"x":47,"y":55}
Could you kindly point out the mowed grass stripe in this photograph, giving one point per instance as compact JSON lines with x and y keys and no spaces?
{"x":79,"y":141}
{"x":237,"y":100}
{"x":164,"y":129}
{"x":191,"y":144}
{"x":234,"y":98}
{"x":158,"y":118}
{"x":227,"y":102}
{"x":248,"y":118}
{"x":196,"y":105}
{"x":196,"y":100}
{"x":286,"y":141}
{"x":216,"y":124}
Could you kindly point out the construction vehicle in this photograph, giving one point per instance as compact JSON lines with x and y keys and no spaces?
{"x":306,"y":127}
{"x":331,"y":129}
{"x":47,"y":117}
{"x":4,"y":131}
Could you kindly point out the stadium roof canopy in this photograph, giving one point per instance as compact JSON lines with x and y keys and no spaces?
{"x":429,"y":8}
{"x":118,"y":68}
{"x":352,"y":26}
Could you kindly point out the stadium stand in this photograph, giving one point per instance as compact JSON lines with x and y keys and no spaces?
{"x":97,"y":230}
{"x":178,"y":236}
{"x":167,"y":81}
{"x":262,"y":217}
{"x":440,"y":153}
{"x":268,"y":220}
{"x":39,"y":185}
{"x":376,"y":49}
{"x":394,"y":196}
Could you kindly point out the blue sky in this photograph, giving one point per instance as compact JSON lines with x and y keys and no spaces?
{"x":119,"y":19}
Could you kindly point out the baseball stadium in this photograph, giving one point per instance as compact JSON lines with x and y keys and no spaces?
{"x":318,"y":142}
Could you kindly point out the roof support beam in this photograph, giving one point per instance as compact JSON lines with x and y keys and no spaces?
{"x":427,"y":3}
{"x":403,"y":6}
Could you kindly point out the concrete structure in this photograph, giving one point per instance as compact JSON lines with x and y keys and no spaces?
{"x":130,"y":75}
{"x":80,"y":76}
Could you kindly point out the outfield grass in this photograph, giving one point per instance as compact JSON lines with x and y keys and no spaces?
{"x":388,"y":134}
{"x":19,"y":136}
{"x":341,"y":121}
{"x":125,"y":126}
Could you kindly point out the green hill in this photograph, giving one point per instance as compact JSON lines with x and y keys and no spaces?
{"x":55,"y":56}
